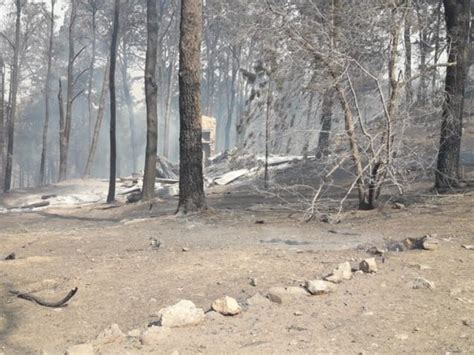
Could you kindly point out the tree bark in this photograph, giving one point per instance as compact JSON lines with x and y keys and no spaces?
{"x":13,"y":96}
{"x":191,"y":181}
{"x":46,"y":97}
{"x":70,"y":96}
{"x":151,"y":93}
{"x":62,"y":144}
{"x":113,"y":108}
{"x":98,"y":121}
{"x":457,"y":15}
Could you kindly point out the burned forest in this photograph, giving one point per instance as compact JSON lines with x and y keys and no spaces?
{"x":236,"y":176}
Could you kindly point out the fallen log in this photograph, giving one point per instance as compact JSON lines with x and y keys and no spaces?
{"x":41,"y":302}
{"x":36,"y":205}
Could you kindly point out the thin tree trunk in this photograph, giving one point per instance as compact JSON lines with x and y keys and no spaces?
{"x":191,"y":181}
{"x":98,"y":121}
{"x":46,"y":98}
{"x":2,"y":122}
{"x":407,"y":41}
{"x":113,"y":108}
{"x":457,"y":14}
{"x":437,"y":41}
{"x":232,"y":93}
{"x":62,"y":124}
{"x":91,"y":69}
{"x":13,"y":103}
{"x":151,"y":92}
{"x":326,"y":125}
{"x":267,"y":131}
{"x":169,"y":96}
{"x":69,"y":97}
{"x":128,"y":100}
{"x":423,"y":47}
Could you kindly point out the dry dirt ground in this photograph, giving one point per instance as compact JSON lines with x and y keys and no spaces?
{"x":122,"y":279}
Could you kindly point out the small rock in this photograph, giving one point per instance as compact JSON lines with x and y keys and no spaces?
{"x":319,"y":287}
{"x":226,"y":306}
{"x":257,"y":299}
{"x":298,"y":313}
{"x":134,"y":333}
{"x":110,"y":334}
{"x":181,"y":314}
{"x":253,"y":281}
{"x":368,"y":265}
{"x":467,"y":322}
{"x":341,"y":272}
{"x":468,"y":247}
{"x":398,"y":206}
{"x":430,"y":244}
{"x":134,"y":197}
{"x":401,"y":336}
{"x":185,"y":249}
{"x":155,"y":243}
{"x":285,"y":294}
{"x":420,"y":283}
{"x":154,"y":335}
{"x":80,"y":349}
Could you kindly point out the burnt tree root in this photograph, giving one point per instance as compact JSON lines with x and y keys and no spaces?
{"x":41,"y":302}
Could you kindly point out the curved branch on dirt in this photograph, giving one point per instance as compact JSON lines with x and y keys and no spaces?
{"x":41,"y":302}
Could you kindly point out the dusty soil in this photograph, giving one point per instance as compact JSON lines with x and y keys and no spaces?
{"x":122,"y":279}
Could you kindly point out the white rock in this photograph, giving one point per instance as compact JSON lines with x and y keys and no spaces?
{"x":110,"y":334}
{"x":134,"y":333}
{"x":285,"y":294}
{"x":341,"y":272}
{"x":368,"y":265}
{"x":181,"y":314}
{"x":257,"y":300}
{"x":319,"y":287}
{"x":80,"y":349}
{"x":420,"y":282}
{"x":154,"y":335}
{"x":226,"y":306}
{"x":430,"y":244}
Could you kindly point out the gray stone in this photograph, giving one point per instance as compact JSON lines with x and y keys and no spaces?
{"x":80,"y":349}
{"x":319,"y":287}
{"x":285,"y":294}
{"x":257,"y":300}
{"x":213,"y":315}
{"x":181,"y":314}
{"x":368,"y":265}
{"x":421,"y":282}
{"x":154,"y":335}
{"x":226,"y":306}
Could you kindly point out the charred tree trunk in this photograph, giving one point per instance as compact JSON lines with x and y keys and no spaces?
{"x":13,"y":96}
{"x":46,"y":97}
{"x":151,"y":92}
{"x":437,"y":46}
{"x":128,"y":100}
{"x":457,"y":15}
{"x":70,"y":96}
{"x":98,"y":121}
{"x":191,"y":181}
{"x":113,"y":108}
